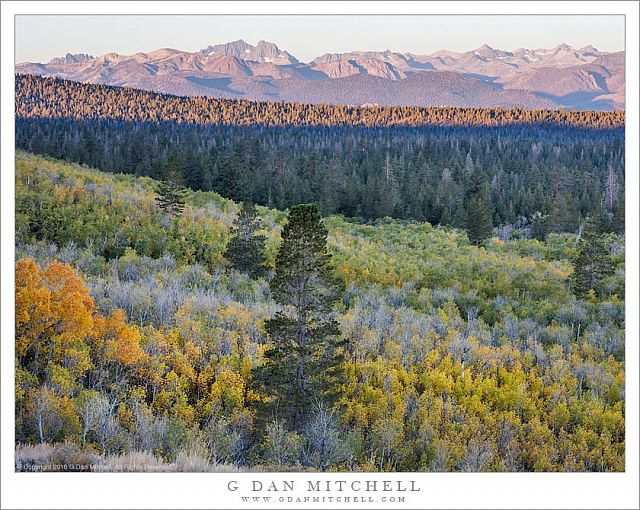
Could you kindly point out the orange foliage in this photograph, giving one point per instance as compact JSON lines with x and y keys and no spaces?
{"x":121,"y":341}
{"x":57,"y":322}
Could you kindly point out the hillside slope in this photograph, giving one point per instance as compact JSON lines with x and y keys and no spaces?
{"x":460,"y":358}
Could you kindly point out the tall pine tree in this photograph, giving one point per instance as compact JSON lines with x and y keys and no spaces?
{"x":592,"y":263}
{"x":245,"y":250}
{"x":479,"y":224}
{"x":304,"y":358}
{"x":479,"y":207}
{"x":171,"y":190}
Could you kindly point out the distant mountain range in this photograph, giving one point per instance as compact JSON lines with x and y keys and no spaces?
{"x":561,"y":77}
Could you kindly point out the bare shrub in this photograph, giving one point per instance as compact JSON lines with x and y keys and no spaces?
{"x":53,"y":457}
{"x":134,"y":462}
{"x":28,"y":456}
{"x":192,"y":462}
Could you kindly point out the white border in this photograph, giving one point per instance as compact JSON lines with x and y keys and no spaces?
{"x":449,"y":490}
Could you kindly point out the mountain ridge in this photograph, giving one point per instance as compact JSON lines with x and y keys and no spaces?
{"x":560,"y":77}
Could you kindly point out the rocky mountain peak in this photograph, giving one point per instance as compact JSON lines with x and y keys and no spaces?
{"x":72,"y":58}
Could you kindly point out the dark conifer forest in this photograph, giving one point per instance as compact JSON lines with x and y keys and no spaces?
{"x":511,"y":167}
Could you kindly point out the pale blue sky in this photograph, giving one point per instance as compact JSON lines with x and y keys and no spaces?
{"x":40,"y":38}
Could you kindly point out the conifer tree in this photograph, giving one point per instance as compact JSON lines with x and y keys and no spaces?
{"x":564,"y":213}
{"x":617,"y":222}
{"x":245,"y":250}
{"x":592,"y":263}
{"x":304,"y":359}
{"x":171,"y":190}
{"x":459,"y":219}
{"x":539,"y":228}
{"x":479,"y":224}
{"x":478,"y":203}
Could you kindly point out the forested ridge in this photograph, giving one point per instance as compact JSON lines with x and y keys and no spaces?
{"x":57,"y":98}
{"x":143,"y":335}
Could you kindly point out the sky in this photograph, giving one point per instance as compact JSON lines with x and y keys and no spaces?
{"x":40,"y":38}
